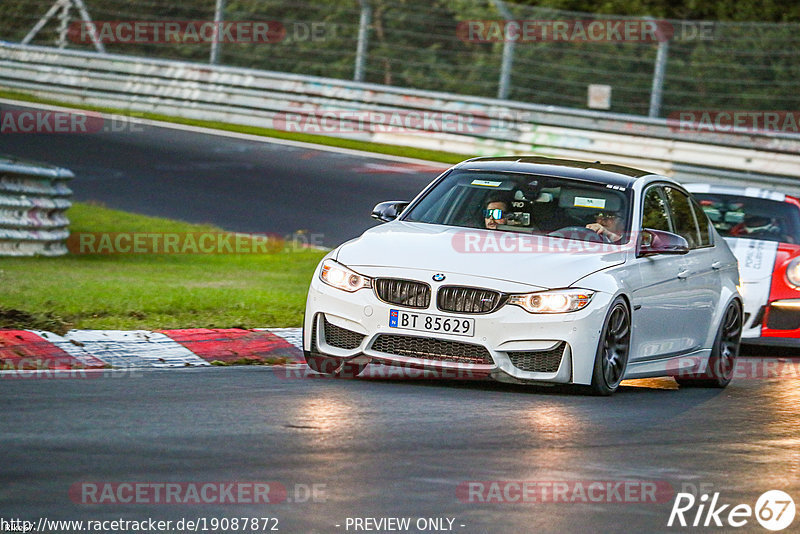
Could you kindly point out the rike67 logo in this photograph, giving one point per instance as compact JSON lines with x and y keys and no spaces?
{"x":774,"y":510}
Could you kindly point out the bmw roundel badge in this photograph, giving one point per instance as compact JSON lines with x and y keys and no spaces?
{"x":438,"y":277}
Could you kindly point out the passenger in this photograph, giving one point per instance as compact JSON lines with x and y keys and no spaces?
{"x":608,"y":224}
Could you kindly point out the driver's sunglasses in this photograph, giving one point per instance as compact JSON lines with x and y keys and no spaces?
{"x":495,"y":214}
{"x":606,"y":215}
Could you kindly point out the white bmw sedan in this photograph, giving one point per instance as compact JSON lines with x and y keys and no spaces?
{"x":533,"y":270}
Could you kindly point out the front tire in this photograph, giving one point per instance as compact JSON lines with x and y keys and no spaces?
{"x":613,"y":348}
{"x":722,"y":361}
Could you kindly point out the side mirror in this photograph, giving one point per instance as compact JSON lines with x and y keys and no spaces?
{"x":660,"y":242}
{"x":389,"y":211}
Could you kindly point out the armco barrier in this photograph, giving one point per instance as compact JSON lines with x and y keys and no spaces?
{"x":261,"y":98}
{"x":33,"y":199}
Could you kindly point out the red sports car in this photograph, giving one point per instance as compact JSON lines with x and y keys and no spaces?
{"x":763,"y":230}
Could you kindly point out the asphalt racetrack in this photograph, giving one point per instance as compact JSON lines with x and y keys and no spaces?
{"x":390,"y":448}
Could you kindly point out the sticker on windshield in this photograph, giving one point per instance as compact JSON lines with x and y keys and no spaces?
{"x":586,"y":202}
{"x":486,"y":183}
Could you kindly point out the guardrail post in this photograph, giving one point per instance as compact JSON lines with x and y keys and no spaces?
{"x":363,"y":39}
{"x":656,"y":94}
{"x":504,"y":84}
{"x":62,"y":38}
{"x":42,"y":21}
{"x":63,"y":25}
{"x":219,"y":17}
{"x":92,"y":29}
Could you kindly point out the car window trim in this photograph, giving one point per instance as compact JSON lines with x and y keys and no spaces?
{"x":691,"y":210}
{"x":710,"y":234}
{"x":659,"y":186}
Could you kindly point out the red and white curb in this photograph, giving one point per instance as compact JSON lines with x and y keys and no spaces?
{"x":22,"y":350}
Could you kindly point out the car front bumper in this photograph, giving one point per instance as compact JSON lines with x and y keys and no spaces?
{"x":522,"y":347}
{"x":775,"y":323}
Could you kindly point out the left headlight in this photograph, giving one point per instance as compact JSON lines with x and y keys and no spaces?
{"x":793,"y":272}
{"x":557,"y":301}
{"x":337,"y":275}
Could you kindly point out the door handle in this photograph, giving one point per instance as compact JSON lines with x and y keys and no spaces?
{"x":683,"y":275}
{"x":717,"y":265}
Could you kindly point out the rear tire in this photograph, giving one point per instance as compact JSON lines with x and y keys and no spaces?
{"x":613,"y":348}
{"x":722,"y":361}
{"x":332,"y":366}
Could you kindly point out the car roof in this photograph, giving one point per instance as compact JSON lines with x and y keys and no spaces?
{"x":566,"y":168}
{"x":752,"y":192}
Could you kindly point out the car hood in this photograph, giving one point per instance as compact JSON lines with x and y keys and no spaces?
{"x":533,"y":260}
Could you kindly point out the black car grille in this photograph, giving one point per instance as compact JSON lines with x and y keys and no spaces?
{"x":468,"y":299}
{"x":432,"y":349}
{"x":539,"y":361}
{"x":339,"y":337}
{"x":783,"y":318}
{"x":403,"y":292}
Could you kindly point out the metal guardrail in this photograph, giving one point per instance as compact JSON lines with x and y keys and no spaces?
{"x":467,"y":47}
{"x":33,"y":199}
{"x":262,"y":98}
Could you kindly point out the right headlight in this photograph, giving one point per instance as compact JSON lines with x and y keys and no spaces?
{"x":556,"y":301}
{"x":793,"y":273}
{"x":337,"y":275}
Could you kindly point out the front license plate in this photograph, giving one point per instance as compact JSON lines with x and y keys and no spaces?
{"x":431,"y":323}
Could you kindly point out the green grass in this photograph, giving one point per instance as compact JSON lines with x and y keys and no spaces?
{"x":394,"y":150}
{"x":152,"y":291}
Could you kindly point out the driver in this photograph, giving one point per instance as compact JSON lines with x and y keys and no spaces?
{"x":608,"y":224}
{"x":495,"y":212}
{"x":755,"y":224}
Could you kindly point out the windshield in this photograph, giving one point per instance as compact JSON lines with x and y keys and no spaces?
{"x":527,"y":203}
{"x":753,"y":218}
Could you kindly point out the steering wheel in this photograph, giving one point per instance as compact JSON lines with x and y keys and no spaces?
{"x":580,"y":232}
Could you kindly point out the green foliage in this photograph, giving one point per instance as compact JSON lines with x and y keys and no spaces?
{"x":746,"y":59}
